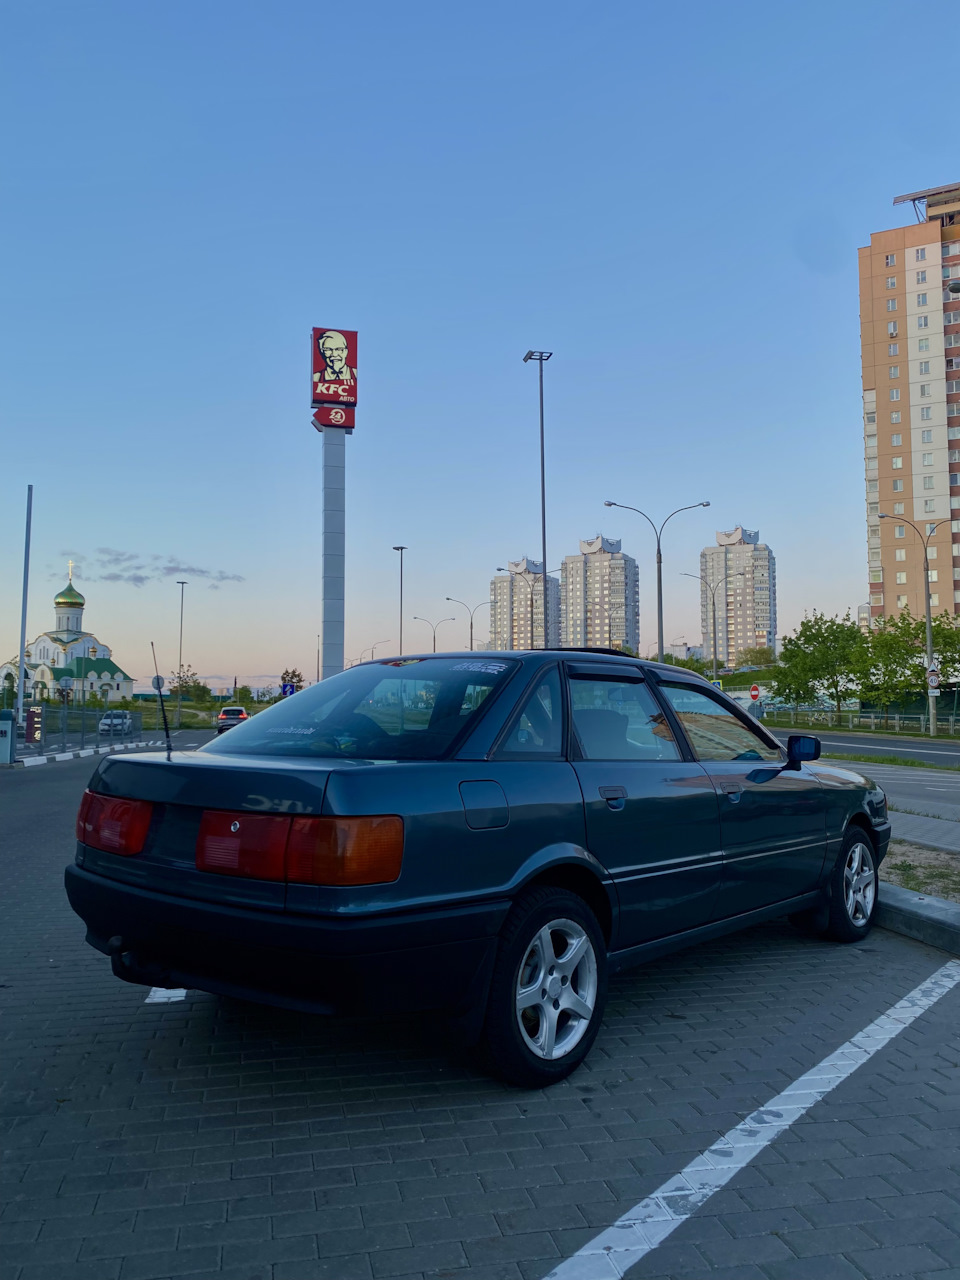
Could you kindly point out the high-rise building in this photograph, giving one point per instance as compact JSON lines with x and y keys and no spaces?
{"x":600,"y":597}
{"x":516,"y":608}
{"x":744,"y":572}
{"x":910,"y":353}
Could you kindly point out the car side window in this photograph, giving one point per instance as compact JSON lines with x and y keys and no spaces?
{"x":714,"y":731}
{"x":537,"y":728}
{"x":619,"y":720}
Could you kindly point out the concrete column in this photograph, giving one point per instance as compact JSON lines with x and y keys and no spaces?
{"x":332,"y":549}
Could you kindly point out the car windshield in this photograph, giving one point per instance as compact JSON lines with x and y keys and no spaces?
{"x":232,"y":711}
{"x":401,"y":709}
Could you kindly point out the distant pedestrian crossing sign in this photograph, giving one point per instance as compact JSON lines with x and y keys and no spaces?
{"x":717,"y":684}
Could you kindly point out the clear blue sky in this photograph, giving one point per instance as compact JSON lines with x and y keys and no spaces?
{"x":668,"y":197}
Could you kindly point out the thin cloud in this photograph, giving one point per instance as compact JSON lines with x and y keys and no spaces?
{"x":136,"y":569}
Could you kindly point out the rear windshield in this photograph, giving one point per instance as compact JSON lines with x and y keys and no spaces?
{"x":404,"y":709}
{"x":232,"y":711}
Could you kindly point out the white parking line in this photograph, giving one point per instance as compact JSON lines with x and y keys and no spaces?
{"x":165,"y":995}
{"x":638,"y":1232}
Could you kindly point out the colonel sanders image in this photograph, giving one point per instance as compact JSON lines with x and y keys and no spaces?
{"x":333,"y":349}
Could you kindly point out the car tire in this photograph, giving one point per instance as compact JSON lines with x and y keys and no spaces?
{"x":544,"y":1012}
{"x":854,"y":889}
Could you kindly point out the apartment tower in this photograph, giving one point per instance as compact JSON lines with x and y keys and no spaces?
{"x":516,"y":608}
{"x":739,"y":579}
{"x":910,"y":352}
{"x":600,"y":597}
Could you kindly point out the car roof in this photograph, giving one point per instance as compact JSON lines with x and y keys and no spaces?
{"x":580,"y":654}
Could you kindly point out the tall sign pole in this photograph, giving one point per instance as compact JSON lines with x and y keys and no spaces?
{"x":334,"y":358}
{"x":22,"y":666}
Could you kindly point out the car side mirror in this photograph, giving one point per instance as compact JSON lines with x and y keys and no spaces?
{"x":801,"y":747}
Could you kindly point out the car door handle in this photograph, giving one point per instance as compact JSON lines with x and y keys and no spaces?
{"x":732,"y":789}
{"x":614,"y":796}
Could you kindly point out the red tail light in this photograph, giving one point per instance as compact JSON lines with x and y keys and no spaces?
{"x":325,"y":851}
{"x":113,"y":824}
{"x":222,"y":715}
{"x":242,"y":844}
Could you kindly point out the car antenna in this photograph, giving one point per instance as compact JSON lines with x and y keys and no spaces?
{"x":158,"y":685}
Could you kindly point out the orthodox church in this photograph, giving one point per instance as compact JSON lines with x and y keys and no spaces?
{"x":68,"y":650}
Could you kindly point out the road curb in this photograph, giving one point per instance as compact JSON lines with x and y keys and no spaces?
{"x":28,"y":761}
{"x":920,"y":916}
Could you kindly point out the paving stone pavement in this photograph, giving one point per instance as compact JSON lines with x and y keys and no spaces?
{"x":212,"y":1138}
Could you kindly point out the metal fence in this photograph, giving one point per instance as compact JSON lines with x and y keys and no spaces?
{"x":875,"y":721}
{"x":47,"y":728}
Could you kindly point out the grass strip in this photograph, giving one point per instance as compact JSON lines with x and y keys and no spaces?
{"x":897,"y":760}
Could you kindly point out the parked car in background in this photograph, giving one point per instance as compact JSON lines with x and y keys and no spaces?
{"x":116,"y":722}
{"x":229,"y":717}
{"x":488,"y":835}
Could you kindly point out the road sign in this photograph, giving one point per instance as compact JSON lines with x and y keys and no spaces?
{"x":287,"y":689}
{"x":754,"y":691}
{"x":717,"y":684}
{"x":933,"y":679}
{"x":157,"y":682}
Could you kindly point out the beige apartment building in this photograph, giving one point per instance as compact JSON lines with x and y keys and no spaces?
{"x":910,"y":351}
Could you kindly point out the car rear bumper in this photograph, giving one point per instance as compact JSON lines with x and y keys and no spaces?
{"x":424,"y":960}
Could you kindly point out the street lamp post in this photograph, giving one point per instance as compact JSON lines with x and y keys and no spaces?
{"x":401,"y":550}
{"x":454,"y":600}
{"x":657,"y":533}
{"x":713,"y":605}
{"x":318,"y":659}
{"x":931,"y":696}
{"x":434,"y":626}
{"x":181,"y":585}
{"x":541,"y":357}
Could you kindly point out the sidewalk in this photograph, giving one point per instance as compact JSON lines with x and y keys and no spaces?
{"x":933,"y":833}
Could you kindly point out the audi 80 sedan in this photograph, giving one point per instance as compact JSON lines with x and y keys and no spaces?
{"x":486,"y":834}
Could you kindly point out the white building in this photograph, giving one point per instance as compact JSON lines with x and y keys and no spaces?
{"x":516,"y":608}
{"x":744,"y":572}
{"x":600,"y":597}
{"x":67,"y":651}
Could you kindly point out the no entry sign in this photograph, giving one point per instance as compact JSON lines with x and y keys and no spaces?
{"x":754,"y":691}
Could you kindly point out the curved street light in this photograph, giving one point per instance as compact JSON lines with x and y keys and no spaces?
{"x":713,"y":607}
{"x":433,"y":625}
{"x":657,"y":534}
{"x":454,"y":600}
{"x":401,"y":550}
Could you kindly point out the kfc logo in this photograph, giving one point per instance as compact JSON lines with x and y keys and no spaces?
{"x":334,"y":367}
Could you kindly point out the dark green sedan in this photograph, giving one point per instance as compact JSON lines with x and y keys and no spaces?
{"x":484,"y":834}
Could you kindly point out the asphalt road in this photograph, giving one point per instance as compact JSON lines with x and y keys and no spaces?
{"x":940,"y":751}
{"x":212,"y":1138}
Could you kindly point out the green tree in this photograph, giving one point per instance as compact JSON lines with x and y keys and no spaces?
{"x":946,"y":647}
{"x":890,"y":666}
{"x":762,"y":656}
{"x":691,"y":664}
{"x":294,"y":677}
{"x":823,"y":656}
{"x":244,"y":695}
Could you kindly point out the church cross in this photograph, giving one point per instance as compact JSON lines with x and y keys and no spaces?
{"x":70,"y":570}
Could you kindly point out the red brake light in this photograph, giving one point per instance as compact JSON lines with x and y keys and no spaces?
{"x":113,"y":824}
{"x":222,"y":715}
{"x":242,"y":844}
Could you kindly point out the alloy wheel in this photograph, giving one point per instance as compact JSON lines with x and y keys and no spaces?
{"x":859,"y":884}
{"x":556,"y":989}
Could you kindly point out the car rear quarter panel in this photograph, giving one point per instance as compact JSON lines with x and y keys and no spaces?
{"x":447,"y":859}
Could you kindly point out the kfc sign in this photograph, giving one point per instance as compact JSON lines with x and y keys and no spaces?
{"x":334,"y":367}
